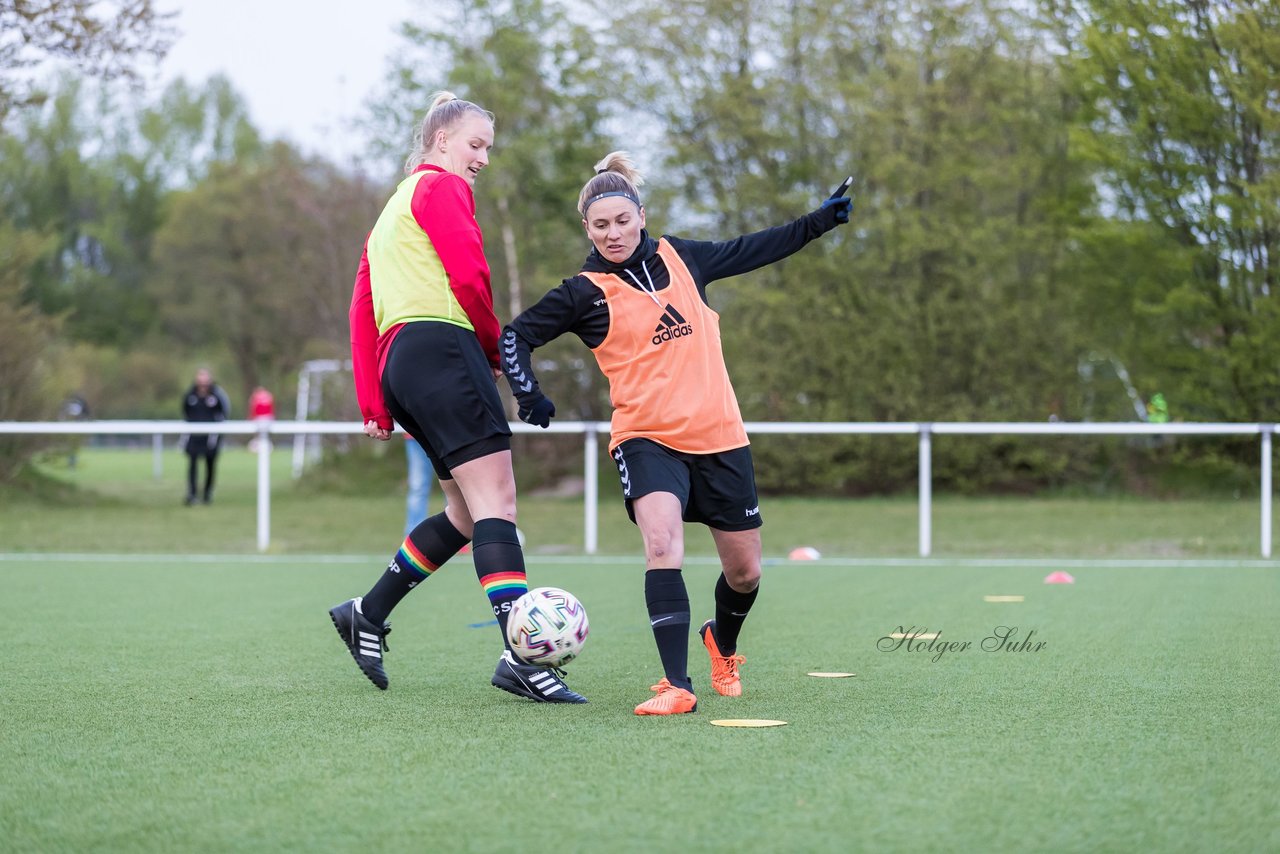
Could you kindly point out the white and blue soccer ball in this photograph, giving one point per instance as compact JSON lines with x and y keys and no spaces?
{"x":547,"y":627}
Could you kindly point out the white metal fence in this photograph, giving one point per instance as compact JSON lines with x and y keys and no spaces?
{"x":591,"y":431}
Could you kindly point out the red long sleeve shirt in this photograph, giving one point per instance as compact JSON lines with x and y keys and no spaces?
{"x":443,"y":207}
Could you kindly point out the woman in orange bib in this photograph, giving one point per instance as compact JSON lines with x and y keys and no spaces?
{"x":677,"y":436}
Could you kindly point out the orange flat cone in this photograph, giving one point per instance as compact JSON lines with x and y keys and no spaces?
{"x":1059,"y":577}
{"x":804,"y":553}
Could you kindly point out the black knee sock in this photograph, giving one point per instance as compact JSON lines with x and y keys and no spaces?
{"x":499,"y":563}
{"x":668,"y":601}
{"x":731,"y":611}
{"x":426,"y":548}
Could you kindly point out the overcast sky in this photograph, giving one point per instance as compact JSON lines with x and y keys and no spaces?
{"x":305,"y":68}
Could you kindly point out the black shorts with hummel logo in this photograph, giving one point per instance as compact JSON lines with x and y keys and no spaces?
{"x":716,"y":490}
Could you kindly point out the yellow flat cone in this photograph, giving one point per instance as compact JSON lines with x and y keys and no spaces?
{"x":824,"y":675}
{"x":747,"y":722}
{"x":1003,"y":598}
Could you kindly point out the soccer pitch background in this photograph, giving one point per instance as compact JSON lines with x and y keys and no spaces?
{"x":188,"y":702}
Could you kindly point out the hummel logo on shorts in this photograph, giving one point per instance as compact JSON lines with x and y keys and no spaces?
{"x":622,"y":472}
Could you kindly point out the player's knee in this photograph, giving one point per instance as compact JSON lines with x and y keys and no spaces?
{"x":665,"y":550}
{"x":743,"y":577}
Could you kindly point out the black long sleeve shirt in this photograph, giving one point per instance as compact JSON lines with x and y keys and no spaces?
{"x":578,"y":306}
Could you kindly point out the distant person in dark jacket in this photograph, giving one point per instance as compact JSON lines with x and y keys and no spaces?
{"x":205,"y":402}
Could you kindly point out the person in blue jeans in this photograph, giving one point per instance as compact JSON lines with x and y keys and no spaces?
{"x":417,"y":499}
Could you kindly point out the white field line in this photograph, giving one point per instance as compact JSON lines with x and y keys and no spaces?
{"x":633,"y":560}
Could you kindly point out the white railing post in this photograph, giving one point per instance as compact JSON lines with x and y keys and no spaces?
{"x":157,"y":456}
{"x":264,"y":485}
{"x":590,"y":489}
{"x":1267,"y":430}
{"x":926,"y":489}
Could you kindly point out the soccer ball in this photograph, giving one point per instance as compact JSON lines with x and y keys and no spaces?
{"x":547,"y":627}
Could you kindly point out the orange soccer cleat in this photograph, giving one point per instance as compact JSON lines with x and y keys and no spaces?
{"x":724,"y":668}
{"x":670,"y":700}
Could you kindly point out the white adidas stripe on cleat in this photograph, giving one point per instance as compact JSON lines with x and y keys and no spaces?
{"x":370,"y":645}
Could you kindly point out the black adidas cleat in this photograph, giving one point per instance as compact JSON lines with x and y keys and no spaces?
{"x":543,"y":684}
{"x":365,"y":640}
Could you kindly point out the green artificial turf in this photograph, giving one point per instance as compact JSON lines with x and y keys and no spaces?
{"x":206,"y":704}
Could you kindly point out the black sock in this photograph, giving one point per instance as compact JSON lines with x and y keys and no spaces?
{"x":499,"y":563}
{"x":668,"y":601}
{"x":731,"y":612}
{"x":426,"y":548}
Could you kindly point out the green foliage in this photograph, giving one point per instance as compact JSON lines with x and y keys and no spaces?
{"x":1179,"y":113}
{"x":1039,"y":189}
{"x":259,"y":258}
{"x":96,"y":178}
{"x":25,"y":336}
{"x":134,"y":383}
{"x":542,"y":77}
{"x":104,"y":40}
{"x":944,"y":298}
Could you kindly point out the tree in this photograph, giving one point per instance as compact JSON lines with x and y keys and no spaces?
{"x":1179,"y":112}
{"x":25,"y":337}
{"x":92,"y":170}
{"x":258,"y":261}
{"x":943,"y":300}
{"x":543,"y":77}
{"x":103,"y":39}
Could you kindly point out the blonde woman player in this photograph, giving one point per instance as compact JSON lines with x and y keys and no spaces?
{"x":424,"y":348}
{"x":640,"y":305}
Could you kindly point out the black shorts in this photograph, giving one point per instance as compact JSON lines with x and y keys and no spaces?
{"x":716,"y":490}
{"x":440,"y":389}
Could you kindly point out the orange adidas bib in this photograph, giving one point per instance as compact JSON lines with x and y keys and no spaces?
{"x":665,"y":366}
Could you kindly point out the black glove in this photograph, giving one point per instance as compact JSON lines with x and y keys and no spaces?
{"x":539,"y":413}
{"x":841,"y":207}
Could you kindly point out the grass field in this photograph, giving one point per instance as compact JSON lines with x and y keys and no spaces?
{"x":168,"y":705}
{"x":166,"y":689}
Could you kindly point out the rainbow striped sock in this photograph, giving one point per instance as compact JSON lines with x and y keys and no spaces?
{"x":504,"y":587}
{"x":499,"y":562}
{"x":414,"y":562}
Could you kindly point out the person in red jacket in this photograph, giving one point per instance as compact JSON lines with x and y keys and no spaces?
{"x":424,"y":351}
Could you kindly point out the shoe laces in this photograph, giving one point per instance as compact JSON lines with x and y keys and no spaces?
{"x":731,"y":662}
{"x":664,"y":685}
{"x":386,"y":630}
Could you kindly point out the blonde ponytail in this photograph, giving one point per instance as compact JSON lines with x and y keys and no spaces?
{"x":446,"y":110}
{"x":615,"y":175}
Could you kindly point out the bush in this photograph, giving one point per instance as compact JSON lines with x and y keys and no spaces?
{"x":25,"y":337}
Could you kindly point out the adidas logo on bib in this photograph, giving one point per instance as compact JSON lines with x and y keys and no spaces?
{"x":671,"y":325}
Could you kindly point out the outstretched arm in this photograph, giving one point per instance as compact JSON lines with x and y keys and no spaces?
{"x":723,"y":259}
